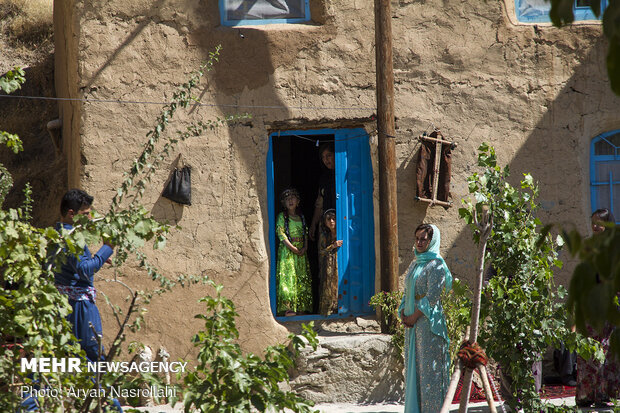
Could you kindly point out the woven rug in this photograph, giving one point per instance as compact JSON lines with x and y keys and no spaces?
{"x":475,"y":395}
{"x":547,"y":392}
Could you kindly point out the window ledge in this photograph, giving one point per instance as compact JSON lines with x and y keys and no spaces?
{"x":277,"y":27}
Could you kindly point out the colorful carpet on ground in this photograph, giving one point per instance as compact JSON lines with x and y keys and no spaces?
{"x":547,"y":392}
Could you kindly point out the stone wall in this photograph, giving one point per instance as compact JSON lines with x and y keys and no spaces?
{"x":354,"y":368}
{"x":538,"y":93}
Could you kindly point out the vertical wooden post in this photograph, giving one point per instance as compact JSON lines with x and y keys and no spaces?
{"x":387,"y":158}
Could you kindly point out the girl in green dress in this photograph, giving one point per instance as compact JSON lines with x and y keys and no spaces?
{"x":294,"y":288}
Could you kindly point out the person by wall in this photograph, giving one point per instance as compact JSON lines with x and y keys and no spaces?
{"x":75,"y":279}
{"x":427,"y":357}
{"x":326,"y":198}
{"x":598,"y":383}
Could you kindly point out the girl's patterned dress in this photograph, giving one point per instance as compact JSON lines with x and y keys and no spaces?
{"x":328,"y":277}
{"x":596,"y":382}
{"x":294,"y":285}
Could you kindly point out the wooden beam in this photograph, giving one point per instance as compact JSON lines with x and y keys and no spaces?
{"x":388,"y":218}
{"x":434,"y":201}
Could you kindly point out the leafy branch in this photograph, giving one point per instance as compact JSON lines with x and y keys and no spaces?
{"x":226,"y":380}
{"x":32,"y":311}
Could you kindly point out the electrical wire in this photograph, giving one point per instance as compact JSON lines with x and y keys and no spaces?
{"x":143,"y":102}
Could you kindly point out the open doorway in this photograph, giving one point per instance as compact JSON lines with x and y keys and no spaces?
{"x":293,"y":161}
{"x":296,"y":164}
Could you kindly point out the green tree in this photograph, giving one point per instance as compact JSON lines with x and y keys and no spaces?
{"x":32,"y":311}
{"x":9,"y":83}
{"x":521,"y":307}
{"x":561,"y":14}
{"x":228,"y":381}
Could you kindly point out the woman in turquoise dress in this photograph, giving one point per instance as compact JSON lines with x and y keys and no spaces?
{"x":294,"y":285}
{"x":427,"y":357}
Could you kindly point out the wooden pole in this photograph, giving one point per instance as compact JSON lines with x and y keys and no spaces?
{"x":484,"y":375}
{"x":454,"y":383}
{"x":388,"y":219}
{"x":484,"y":224}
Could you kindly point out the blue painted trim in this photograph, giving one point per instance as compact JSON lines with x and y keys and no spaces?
{"x":611,"y":194}
{"x":369,"y":228}
{"x":340,"y":157}
{"x":255,"y":22}
{"x":595,"y":185}
{"x":272,"y":229}
{"x":542,"y":16}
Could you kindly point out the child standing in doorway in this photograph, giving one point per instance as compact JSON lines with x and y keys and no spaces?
{"x":294,"y":288}
{"x":328,"y":264}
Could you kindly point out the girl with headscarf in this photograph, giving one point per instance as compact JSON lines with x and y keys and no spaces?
{"x":293,"y":279}
{"x":427,"y":357}
{"x":328,"y":264}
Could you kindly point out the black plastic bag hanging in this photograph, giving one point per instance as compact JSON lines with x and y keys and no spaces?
{"x":179,"y":187}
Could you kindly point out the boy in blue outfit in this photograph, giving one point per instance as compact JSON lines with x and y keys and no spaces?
{"x":75,"y":276}
{"x":75,"y":279}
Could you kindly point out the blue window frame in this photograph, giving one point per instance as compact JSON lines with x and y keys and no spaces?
{"x":537,"y":11}
{"x":253,"y":12}
{"x":354,"y":206}
{"x":605,"y":172}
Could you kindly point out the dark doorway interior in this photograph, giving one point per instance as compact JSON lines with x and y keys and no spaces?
{"x":296,"y":164}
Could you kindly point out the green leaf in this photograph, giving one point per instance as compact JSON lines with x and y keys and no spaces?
{"x":528,"y":181}
{"x":611,"y":20}
{"x":12,"y":80}
{"x":561,"y":12}
{"x":613,"y":62}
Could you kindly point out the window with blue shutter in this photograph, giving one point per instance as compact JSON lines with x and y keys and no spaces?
{"x":605,"y":172}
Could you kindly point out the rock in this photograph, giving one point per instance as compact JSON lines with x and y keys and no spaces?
{"x":353,"y":368}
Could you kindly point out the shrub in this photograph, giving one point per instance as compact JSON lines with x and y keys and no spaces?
{"x":521,"y":306}
{"x":226,"y":380}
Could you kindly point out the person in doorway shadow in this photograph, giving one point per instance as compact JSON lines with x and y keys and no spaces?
{"x":326,"y":198}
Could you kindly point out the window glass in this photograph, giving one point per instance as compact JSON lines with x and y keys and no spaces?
{"x":607,"y":145}
{"x":256,"y":11}
{"x":533,"y":10}
{"x":537,"y":11}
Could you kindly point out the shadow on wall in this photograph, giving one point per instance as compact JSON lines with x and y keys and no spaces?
{"x":37,"y":163}
{"x":244,"y":76}
{"x":556,"y":153}
{"x":147,"y":18}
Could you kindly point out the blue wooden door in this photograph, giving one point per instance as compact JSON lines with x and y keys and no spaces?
{"x":356,"y":258}
{"x":355,"y":222}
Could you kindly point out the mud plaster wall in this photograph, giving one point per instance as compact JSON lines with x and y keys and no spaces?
{"x":537,"y":93}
